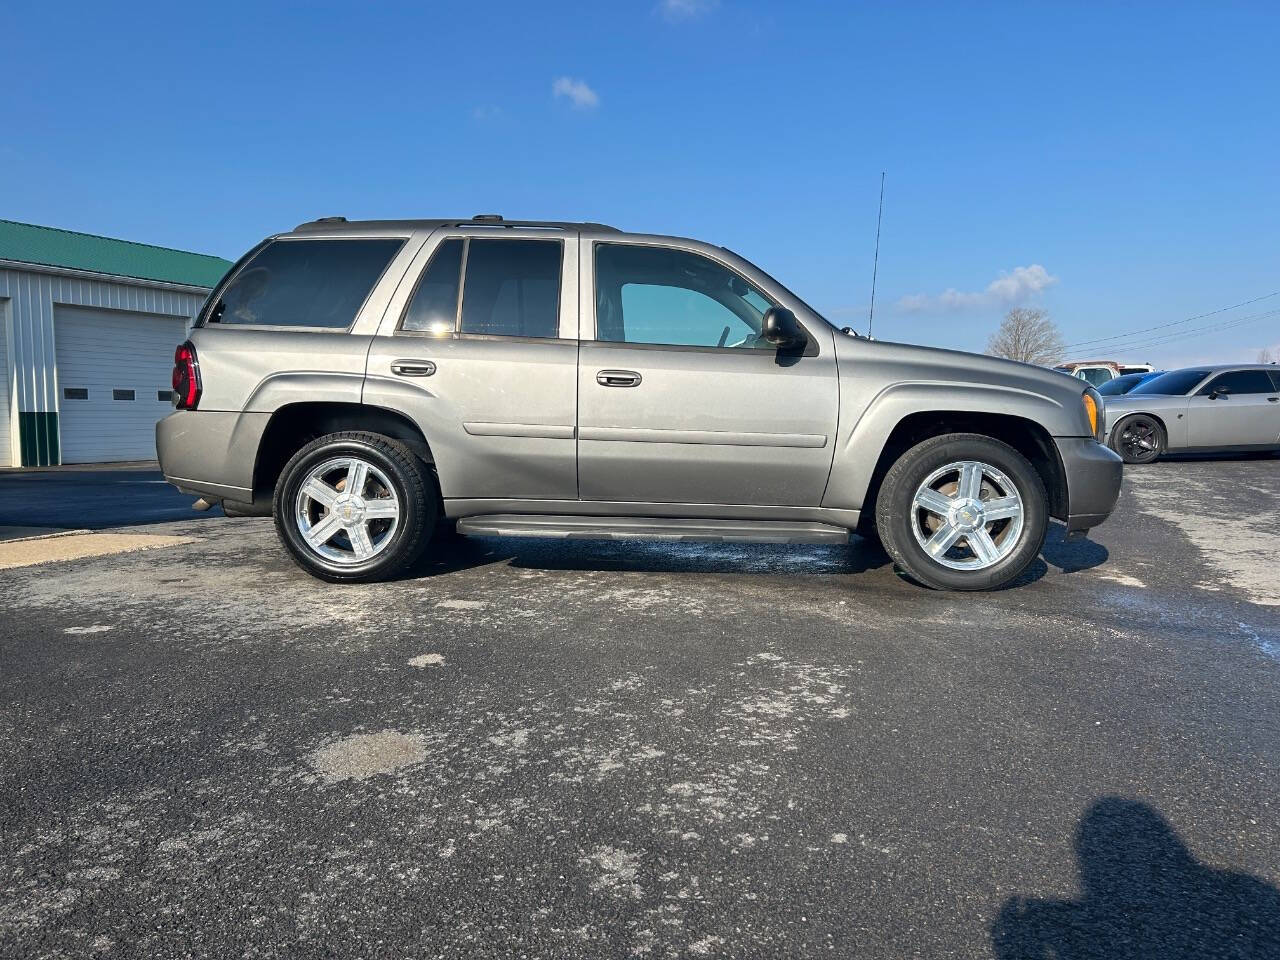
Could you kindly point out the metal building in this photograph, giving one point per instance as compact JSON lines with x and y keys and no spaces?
{"x":88,"y":326}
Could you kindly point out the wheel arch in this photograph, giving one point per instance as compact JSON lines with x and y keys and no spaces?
{"x":294,"y":425}
{"x":1026,"y":436}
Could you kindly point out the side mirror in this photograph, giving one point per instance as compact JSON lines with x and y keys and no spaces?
{"x":781,"y":328}
{"x":1219,"y":392}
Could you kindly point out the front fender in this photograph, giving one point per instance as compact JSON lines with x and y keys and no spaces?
{"x":862,"y":436}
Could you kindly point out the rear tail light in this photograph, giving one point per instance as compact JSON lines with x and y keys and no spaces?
{"x":186,"y":377}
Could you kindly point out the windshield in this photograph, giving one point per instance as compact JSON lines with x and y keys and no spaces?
{"x":1172,"y":384}
{"x":785,"y":289}
{"x":1120,"y":385}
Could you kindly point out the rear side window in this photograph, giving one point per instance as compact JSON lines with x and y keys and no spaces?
{"x":304,"y":283}
{"x":512,"y":288}
{"x":1240,"y":381}
{"x":434,"y":307}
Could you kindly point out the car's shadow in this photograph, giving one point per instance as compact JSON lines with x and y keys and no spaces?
{"x":1142,"y":894}
{"x":452,"y":553}
{"x":456,"y":553}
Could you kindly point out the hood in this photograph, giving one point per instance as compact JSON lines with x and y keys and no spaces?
{"x":973,"y":367}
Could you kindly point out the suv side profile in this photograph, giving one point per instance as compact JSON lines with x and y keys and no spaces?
{"x":366,"y":382}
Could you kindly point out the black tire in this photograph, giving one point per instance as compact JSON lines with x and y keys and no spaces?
{"x":410,"y":483}
{"x":897,"y":513}
{"x":1138,"y":438}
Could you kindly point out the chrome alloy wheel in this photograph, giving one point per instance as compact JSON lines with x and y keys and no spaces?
{"x":347,"y":510}
{"x":967,"y":515}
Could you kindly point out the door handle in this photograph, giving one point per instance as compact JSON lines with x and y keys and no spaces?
{"x":413,"y":368}
{"x":618,"y":378}
{"x":1273,"y":399}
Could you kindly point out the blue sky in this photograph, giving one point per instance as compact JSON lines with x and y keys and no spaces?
{"x":1117,"y":164}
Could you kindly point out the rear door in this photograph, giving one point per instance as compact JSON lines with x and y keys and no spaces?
{"x":681,"y":401}
{"x":479,"y":347}
{"x":1236,"y":408}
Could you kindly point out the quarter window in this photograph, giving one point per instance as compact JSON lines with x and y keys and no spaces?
{"x":659,"y":295}
{"x":1240,"y":381}
{"x":304,"y":283}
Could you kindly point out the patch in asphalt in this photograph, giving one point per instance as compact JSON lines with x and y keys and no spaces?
{"x":364,"y":755}
{"x":27,"y":553}
{"x":427,"y":660}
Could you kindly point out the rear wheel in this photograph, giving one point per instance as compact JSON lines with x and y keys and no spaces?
{"x":962,"y":512}
{"x":1138,"y":439}
{"x":355,"y":507}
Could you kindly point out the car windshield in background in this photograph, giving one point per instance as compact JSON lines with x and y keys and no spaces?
{"x":1120,"y":385}
{"x":1172,"y":384}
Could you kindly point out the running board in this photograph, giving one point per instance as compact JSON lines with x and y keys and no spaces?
{"x":649,"y":528}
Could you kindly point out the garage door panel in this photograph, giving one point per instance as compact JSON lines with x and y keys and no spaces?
{"x":6,"y":419}
{"x":105,"y":356}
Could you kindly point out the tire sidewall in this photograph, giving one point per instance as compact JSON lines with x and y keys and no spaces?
{"x":921,"y":461}
{"x":412,"y":509}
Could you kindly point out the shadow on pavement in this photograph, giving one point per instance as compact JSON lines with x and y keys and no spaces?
{"x":454,"y":553}
{"x":1143,"y":895}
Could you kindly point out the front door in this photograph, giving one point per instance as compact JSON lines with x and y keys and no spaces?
{"x":680,"y":400}
{"x":480,"y":348}
{"x":1237,"y":408}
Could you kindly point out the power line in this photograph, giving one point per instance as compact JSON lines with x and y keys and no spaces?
{"x":1164,"y":326}
{"x":1144,"y":343}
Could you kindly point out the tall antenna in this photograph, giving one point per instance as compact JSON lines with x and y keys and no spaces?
{"x":875,"y":264}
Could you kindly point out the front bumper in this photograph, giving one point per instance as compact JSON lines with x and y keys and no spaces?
{"x":1093,"y":473}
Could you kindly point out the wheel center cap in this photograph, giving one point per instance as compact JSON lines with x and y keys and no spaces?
{"x":968,"y":515}
{"x":350,"y":509}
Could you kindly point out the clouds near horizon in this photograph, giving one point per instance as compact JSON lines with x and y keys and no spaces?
{"x":1012,"y":288}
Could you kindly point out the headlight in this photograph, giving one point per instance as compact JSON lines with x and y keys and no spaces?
{"x":1092,"y":401}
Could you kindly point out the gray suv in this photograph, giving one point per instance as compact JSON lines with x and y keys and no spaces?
{"x":368,"y":382}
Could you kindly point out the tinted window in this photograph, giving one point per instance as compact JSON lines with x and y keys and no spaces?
{"x":512,"y":288}
{"x":305,"y":283}
{"x":75,"y":393}
{"x":434,"y":307}
{"x":660,"y":295}
{"x":118,"y":394}
{"x":1275,"y":377}
{"x":1173,"y":384}
{"x":1240,"y":381}
{"x":165,"y":395}
{"x":1120,"y":385}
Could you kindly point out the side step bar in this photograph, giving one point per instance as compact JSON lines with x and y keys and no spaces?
{"x":649,"y":528}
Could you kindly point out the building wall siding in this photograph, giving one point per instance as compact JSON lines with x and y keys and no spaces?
{"x":32,"y":361}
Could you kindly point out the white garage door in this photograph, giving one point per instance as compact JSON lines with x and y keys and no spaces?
{"x":114,"y":373}
{"x":6,"y":418}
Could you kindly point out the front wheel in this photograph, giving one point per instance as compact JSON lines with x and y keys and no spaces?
{"x":355,"y":507}
{"x":1138,"y":439}
{"x":962,"y":512}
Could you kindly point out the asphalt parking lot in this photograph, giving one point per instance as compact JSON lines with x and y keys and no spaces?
{"x":551,"y":749}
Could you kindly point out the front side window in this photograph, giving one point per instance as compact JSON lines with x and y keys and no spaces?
{"x":1239,"y":381}
{"x":659,"y":295}
{"x":304,"y":283}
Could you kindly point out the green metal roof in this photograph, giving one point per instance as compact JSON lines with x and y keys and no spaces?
{"x":28,"y":243}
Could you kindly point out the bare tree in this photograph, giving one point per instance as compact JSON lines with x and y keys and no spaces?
{"x":1265,"y":355}
{"x":1028,"y":335}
